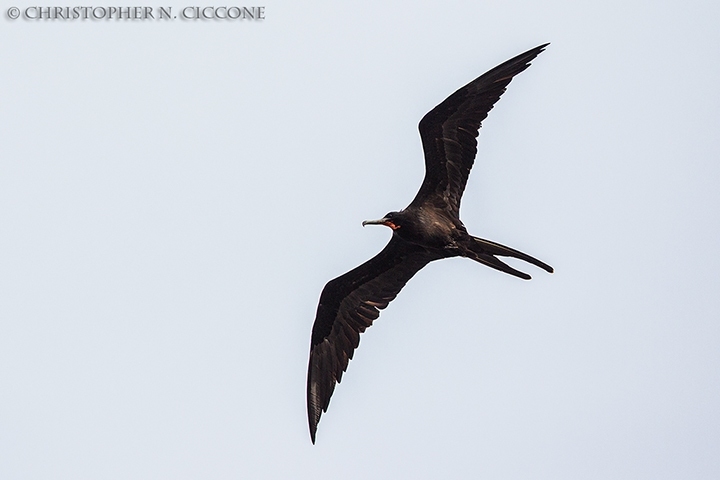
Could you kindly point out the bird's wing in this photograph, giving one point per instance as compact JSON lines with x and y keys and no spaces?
{"x":449,"y":133}
{"x":348,"y":305}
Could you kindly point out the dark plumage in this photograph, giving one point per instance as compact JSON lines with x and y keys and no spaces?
{"x":428,"y":229}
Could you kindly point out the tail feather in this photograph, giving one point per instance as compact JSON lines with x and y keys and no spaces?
{"x":484,"y":251}
{"x":494,"y":262}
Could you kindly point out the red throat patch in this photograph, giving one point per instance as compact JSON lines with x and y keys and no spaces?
{"x":391,"y":225}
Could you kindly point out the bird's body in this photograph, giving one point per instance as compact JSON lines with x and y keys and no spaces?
{"x":426,"y":230}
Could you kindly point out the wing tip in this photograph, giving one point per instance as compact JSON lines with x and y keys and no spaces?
{"x":313,"y":420}
{"x":539,"y":48}
{"x":534,"y":52}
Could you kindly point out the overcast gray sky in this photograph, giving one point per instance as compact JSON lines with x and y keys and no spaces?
{"x":175,"y":194}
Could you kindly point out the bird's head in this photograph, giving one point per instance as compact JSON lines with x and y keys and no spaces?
{"x":393,"y":220}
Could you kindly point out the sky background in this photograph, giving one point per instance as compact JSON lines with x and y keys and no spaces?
{"x":174,"y":195}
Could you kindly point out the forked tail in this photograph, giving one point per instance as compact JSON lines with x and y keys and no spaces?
{"x":484,"y":251}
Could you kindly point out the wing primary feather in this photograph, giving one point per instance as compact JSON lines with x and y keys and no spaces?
{"x":348,"y":305}
{"x":449,"y":132}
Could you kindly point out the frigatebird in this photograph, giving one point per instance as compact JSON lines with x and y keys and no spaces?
{"x":428,"y":229}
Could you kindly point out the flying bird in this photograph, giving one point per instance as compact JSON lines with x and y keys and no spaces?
{"x":428,"y":229}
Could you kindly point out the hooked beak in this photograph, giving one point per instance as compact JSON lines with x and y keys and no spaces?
{"x":382,"y":221}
